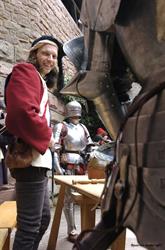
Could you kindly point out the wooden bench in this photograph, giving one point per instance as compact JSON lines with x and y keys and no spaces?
{"x":3,"y":237}
{"x":8,"y":215}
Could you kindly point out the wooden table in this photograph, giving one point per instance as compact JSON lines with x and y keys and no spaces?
{"x":91,"y":196}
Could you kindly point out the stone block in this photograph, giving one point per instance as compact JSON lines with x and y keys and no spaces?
{"x":6,"y":51}
{"x":5,"y":68}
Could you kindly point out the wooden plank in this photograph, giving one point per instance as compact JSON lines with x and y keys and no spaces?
{"x":92,"y":191}
{"x":3,"y":237}
{"x":8,"y":214}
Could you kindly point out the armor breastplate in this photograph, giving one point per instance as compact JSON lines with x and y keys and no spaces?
{"x":75,"y":140}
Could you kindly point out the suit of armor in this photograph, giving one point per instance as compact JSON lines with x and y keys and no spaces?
{"x":115,"y":30}
{"x":73,"y":138}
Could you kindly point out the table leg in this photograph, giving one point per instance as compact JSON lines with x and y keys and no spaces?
{"x":56,"y":220}
{"x":7,"y":242}
{"x":87,"y":214}
{"x":119,"y":243}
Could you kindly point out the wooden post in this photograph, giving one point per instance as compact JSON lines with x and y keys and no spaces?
{"x":119,"y":243}
{"x":56,"y":220}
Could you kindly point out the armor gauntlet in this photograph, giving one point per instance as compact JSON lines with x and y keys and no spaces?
{"x":58,"y":168}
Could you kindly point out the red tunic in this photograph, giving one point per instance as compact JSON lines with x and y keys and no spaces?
{"x":23,"y":96}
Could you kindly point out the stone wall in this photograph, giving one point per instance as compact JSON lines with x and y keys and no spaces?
{"x":21,"y":21}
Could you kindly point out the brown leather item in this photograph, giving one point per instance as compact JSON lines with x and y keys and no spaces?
{"x":95,"y":171}
{"x":19,"y":155}
{"x":150,"y":154}
{"x":147,"y":125}
{"x":94,"y":19}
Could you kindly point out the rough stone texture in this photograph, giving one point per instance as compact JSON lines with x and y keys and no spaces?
{"x":23,"y":21}
{"x":6,"y":51}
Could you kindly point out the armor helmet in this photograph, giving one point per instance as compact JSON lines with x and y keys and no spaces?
{"x":73,"y":108}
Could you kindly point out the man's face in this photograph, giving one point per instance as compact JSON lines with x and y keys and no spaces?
{"x":46,"y":58}
{"x":75,"y":120}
